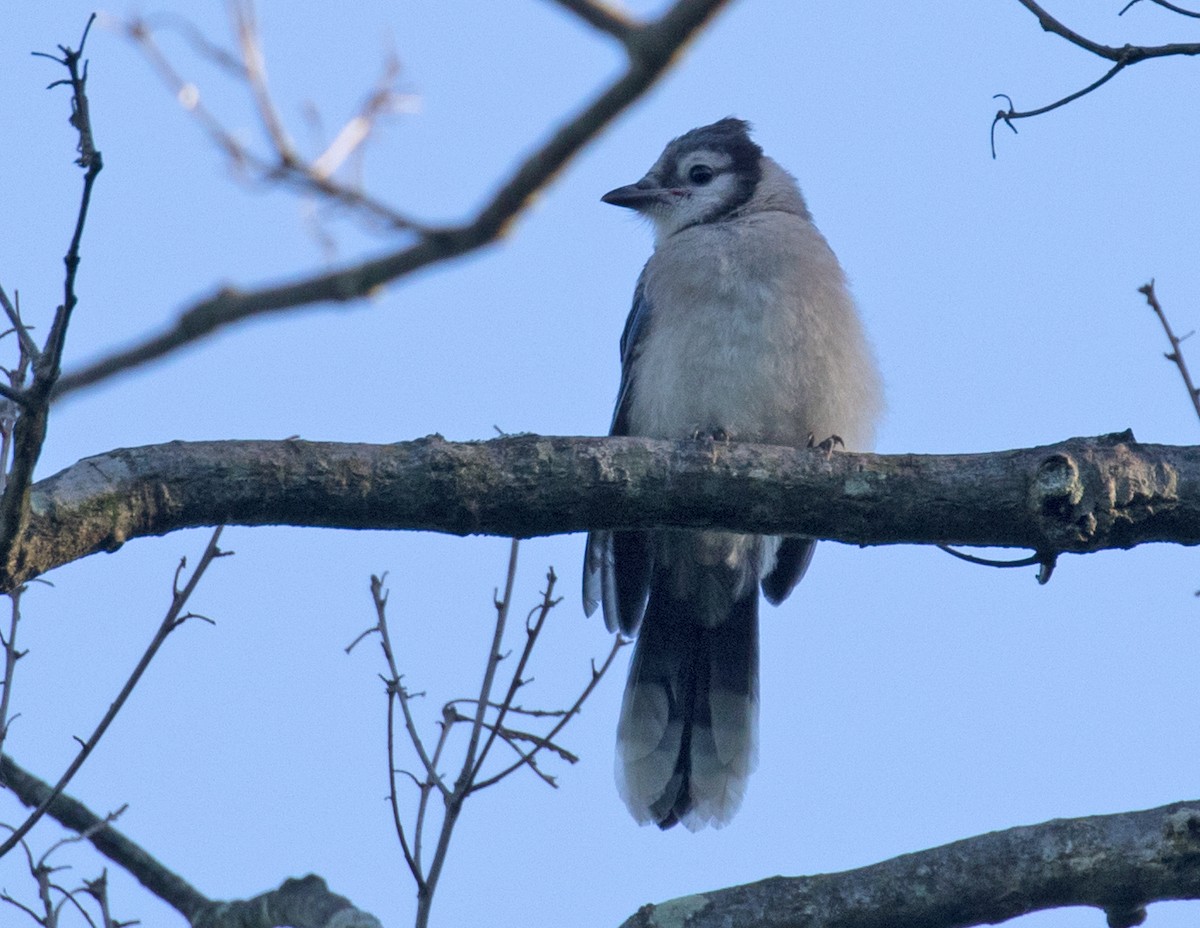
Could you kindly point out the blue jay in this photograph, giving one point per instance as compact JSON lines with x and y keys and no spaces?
{"x":742,"y":329}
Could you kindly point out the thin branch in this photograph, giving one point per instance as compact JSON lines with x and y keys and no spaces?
{"x":83,"y":835}
{"x":651,"y":48}
{"x":463,"y":784}
{"x":304,"y":902}
{"x":173,"y":619}
{"x":72,"y":814}
{"x":28,"y":345}
{"x":290,"y":169}
{"x":1009,"y":115}
{"x":503,"y":605}
{"x":395,"y":684}
{"x":1050,"y":24}
{"x":351,"y":138}
{"x":245,"y":24}
{"x":47,"y":367}
{"x":1121,"y":56}
{"x":515,"y":709}
{"x":1165,"y":5}
{"x":29,"y":431}
{"x":601,"y":16}
{"x":396,"y":693}
{"x":427,"y":791}
{"x":410,"y":858}
{"x":1175,"y":355}
{"x":532,"y":631}
{"x":597,"y":676}
{"x":11,"y":656}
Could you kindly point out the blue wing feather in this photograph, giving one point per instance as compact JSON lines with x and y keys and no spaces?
{"x":636,"y":326}
{"x":618,"y":565}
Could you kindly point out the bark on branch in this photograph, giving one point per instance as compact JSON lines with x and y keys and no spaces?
{"x":1118,"y":863}
{"x":1079,"y":495}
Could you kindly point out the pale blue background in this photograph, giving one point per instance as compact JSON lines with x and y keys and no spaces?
{"x":908,"y":699}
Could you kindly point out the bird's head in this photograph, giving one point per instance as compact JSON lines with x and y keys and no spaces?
{"x":702,"y":176}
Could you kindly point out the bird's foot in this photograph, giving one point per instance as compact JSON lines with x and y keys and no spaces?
{"x":827,"y":445}
{"x":711,"y":438}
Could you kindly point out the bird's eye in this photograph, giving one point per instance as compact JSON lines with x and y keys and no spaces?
{"x":700,"y":174}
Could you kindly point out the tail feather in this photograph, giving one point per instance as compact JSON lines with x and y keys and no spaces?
{"x":686,"y":738}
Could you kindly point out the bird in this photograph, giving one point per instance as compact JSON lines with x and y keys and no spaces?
{"x":742,"y":329}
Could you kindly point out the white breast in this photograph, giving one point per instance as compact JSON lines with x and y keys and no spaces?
{"x":752,"y":332}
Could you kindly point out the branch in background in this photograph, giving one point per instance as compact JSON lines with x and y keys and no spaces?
{"x":28,"y":432}
{"x":546,"y":742}
{"x":1175,"y":355}
{"x":305,"y":903}
{"x":1078,"y":495}
{"x":53,"y":896}
{"x":11,"y":655}
{"x":486,"y":724}
{"x":1121,"y":56}
{"x":602,"y":17}
{"x":174,"y":618}
{"x":283,"y":162}
{"x":1118,"y":863}
{"x":1164,"y":4}
{"x":72,"y":814}
{"x":650,"y":48}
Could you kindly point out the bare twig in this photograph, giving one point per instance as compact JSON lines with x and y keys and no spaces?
{"x":395,"y":684}
{"x":1165,"y":5}
{"x":601,"y":16}
{"x":92,"y":163}
{"x":245,"y":26}
{"x":1175,"y":355}
{"x":29,"y":430}
{"x":13,"y":311}
{"x":42,"y":871}
{"x":533,"y":628}
{"x":597,"y":675}
{"x":462,"y":785}
{"x":397,"y":693}
{"x":11,"y":656}
{"x":174,"y":617}
{"x":293,"y":898}
{"x":651,"y":47}
{"x":283,"y":165}
{"x":382,"y":99}
{"x":1045,"y":561}
{"x":1121,"y":57}
{"x":486,"y":721}
{"x":296,"y":902}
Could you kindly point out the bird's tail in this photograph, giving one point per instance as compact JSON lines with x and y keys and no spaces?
{"x":686,"y":742}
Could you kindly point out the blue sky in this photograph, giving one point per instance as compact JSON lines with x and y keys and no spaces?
{"x":908,"y":699}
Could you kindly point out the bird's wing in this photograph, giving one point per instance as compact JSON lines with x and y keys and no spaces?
{"x":617,"y":565}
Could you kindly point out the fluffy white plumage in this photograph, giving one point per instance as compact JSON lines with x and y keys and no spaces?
{"x":742,"y":329}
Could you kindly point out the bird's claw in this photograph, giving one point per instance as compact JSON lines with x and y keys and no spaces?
{"x":827,"y":445}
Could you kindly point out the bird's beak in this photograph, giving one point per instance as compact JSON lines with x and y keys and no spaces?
{"x":637,"y":196}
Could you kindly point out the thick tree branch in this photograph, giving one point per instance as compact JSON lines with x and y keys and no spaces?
{"x":1118,"y":863}
{"x":1080,"y":495}
{"x":651,"y":48}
